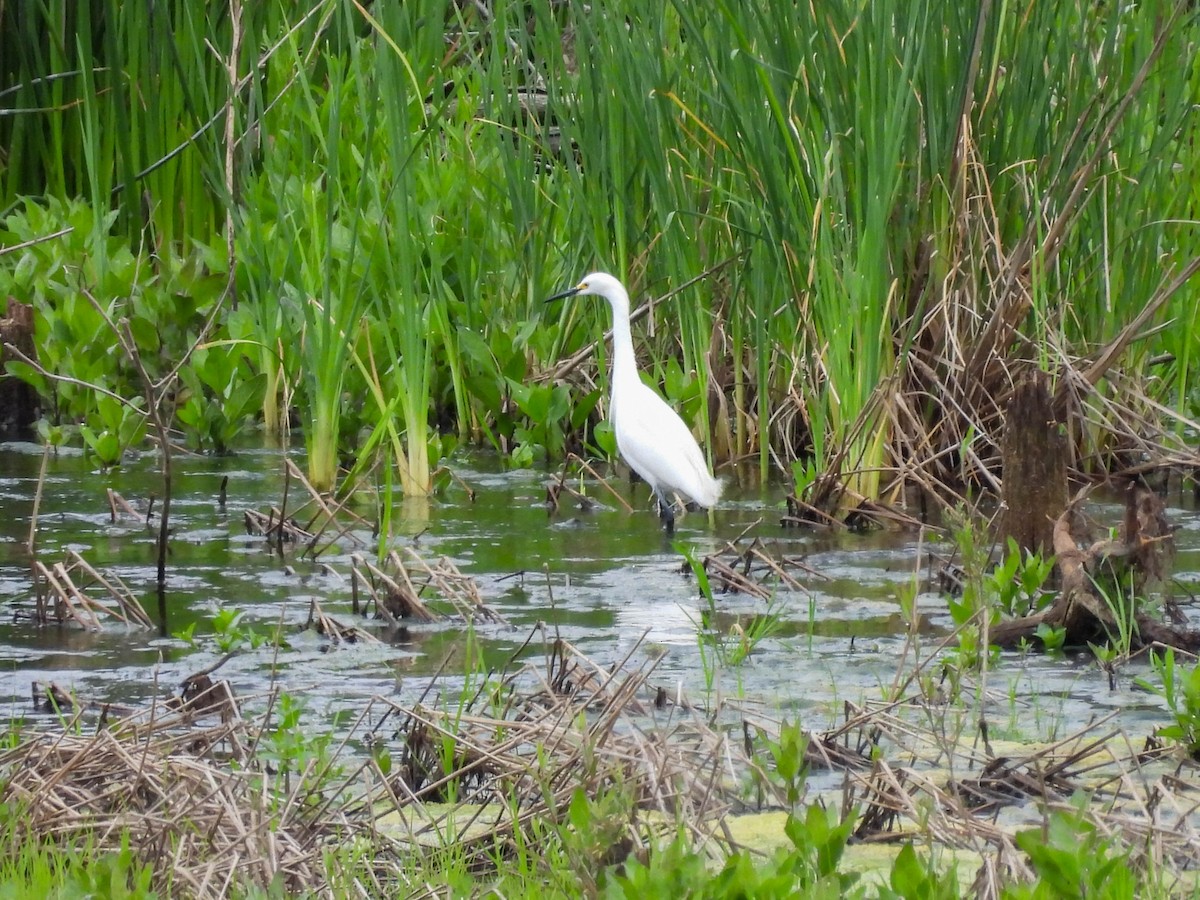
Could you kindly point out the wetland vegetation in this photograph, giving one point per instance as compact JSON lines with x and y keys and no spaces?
{"x":304,"y":247}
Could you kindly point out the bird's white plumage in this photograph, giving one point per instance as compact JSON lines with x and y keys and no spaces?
{"x":659,"y":447}
{"x":651,"y":436}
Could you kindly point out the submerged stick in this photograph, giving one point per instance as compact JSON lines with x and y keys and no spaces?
{"x":583,"y":463}
{"x":31,"y":543}
{"x":287,"y":480}
{"x":154,"y":411}
{"x":324,"y":509}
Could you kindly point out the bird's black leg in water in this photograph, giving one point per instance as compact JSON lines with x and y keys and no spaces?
{"x":666,"y":512}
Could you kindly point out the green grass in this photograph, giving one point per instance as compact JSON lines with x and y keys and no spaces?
{"x":887,"y":214}
{"x":30,"y":867}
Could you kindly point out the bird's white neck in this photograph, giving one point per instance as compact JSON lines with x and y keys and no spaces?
{"x":624,"y":363}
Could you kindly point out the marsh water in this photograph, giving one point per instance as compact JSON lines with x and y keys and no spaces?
{"x":604,"y":579}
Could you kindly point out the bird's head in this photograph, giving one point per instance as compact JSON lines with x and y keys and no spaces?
{"x":602,"y":285}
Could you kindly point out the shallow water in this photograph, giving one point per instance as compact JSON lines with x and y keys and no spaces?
{"x":603,"y":579}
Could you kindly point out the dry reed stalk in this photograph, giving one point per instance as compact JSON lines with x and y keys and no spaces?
{"x":727,"y":580}
{"x":327,"y":626}
{"x":399,"y":600}
{"x":273,"y":527}
{"x":72,"y":603}
{"x":447,"y":580}
{"x":325,"y":512}
{"x":118,"y":506}
{"x":397,"y":593}
{"x":752,"y":569}
{"x":367,"y":582}
{"x":116,"y":588}
{"x":560,"y":484}
{"x":63,"y":607}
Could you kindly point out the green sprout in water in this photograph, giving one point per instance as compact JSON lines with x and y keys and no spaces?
{"x":1180,"y":688}
{"x":720,"y":648}
{"x":229,"y":633}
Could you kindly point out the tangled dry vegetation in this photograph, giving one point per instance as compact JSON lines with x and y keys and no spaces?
{"x":185,"y":781}
{"x":971,"y":327}
{"x":1137,"y":558}
{"x":495,"y":772}
{"x":951,"y":409}
{"x":170,"y":782}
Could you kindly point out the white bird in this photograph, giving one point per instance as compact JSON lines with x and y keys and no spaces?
{"x":651,"y":437}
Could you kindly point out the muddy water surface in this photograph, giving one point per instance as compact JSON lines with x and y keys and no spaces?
{"x":604,"y":579}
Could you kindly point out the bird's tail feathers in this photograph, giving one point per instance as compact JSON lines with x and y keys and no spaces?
{"x":712,"y":493}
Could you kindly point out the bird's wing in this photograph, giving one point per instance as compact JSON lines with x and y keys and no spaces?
{"x":658,"y":446}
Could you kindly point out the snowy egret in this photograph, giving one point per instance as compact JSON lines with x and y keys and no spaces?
{"x":651,"y":437}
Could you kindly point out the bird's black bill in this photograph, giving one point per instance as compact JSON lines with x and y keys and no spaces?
{"x":570,"y":292}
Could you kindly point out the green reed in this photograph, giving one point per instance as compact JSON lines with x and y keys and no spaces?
{"x":407,"y":300}
{"x":844,"y":172}
{"x":880,"y":203}
{"x":154,"y":92}
{"x":305,"y":236}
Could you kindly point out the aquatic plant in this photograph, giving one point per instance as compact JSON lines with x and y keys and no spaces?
{"x":323,"y":217}
{"x":1019,"y":580}
{"x":888,"y":220}
{"x":1179,"y":687}
{"x":222,"y":394}
{"x":1073,"y":858}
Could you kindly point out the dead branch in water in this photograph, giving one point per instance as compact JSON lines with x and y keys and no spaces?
{"x":559,"y":486}
{"x":337,"y":632}
{"x":309,"y":522}
{"x":1095,"y":572}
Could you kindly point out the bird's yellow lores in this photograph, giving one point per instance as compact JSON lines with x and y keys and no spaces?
{"x":651,"y":437}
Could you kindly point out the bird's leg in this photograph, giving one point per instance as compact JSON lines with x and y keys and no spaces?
{"x":666,"y":511}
